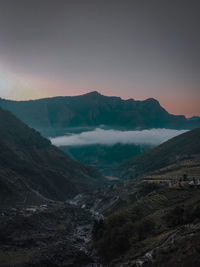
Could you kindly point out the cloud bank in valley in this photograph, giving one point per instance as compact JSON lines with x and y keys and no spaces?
{"x":111,"y":137}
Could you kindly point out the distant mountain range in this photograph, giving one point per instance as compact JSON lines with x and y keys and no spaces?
{"x":53,"y":116}
{"x":182,"y":147}
{"x":31,"y":169}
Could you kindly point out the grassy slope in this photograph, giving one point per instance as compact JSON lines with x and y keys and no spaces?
{"x":178,"y":148}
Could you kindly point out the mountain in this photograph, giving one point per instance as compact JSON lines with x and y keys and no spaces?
{"x":53,"y":116}
{"x":184,"y":146}
{"x":32,"y":169}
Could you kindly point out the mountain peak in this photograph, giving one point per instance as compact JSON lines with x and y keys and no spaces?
{"x":93,"y":93}
{"x":152,"y":100}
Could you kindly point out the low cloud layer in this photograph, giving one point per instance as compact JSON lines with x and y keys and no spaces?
{"x":112,"y":137}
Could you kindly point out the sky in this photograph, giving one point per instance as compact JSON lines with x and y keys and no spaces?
{"x":129,"y":48}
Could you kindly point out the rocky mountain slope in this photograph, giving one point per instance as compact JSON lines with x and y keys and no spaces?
{"x":31,"y":169}
{"x":182,"y":147}
{"x":53,"y":116}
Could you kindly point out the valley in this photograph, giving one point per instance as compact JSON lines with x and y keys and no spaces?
{"x":106,"y":159}
{"x":107,"y":149}
{"x":121,"y":226}
{"x":89,"y":117}
{"x":99,"y":133}
{"x":132,"y":203}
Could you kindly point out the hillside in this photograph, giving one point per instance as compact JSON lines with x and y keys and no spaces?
{"x":53,"y":116}
{"x":184,"y":146}
{"x":159,"y":229}
{"x":183,"y":171}
{"x":31,"y":168}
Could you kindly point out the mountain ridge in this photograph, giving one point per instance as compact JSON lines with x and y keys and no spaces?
{"x":52,"y":116}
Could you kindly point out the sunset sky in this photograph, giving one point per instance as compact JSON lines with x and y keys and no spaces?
{"x":128,"y":48}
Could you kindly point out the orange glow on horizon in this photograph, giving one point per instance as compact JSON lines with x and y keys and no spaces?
{"x":21,"y":86}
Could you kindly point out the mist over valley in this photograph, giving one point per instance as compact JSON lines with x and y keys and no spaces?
{"x":105,"y":148}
